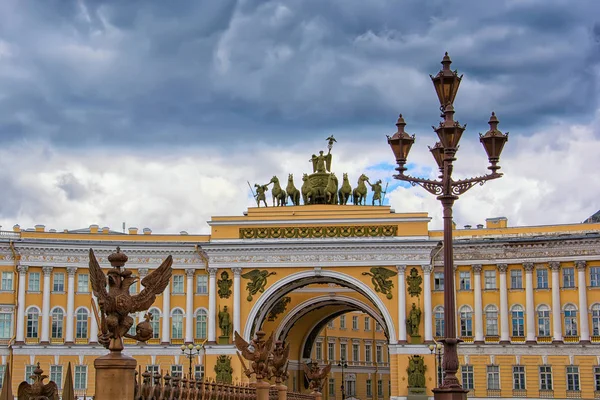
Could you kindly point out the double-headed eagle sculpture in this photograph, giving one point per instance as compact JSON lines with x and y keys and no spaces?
{"x":116,"y":304}
{"x":38,"y":390}
{"x":316,"y":375}
{"x":257,"y":352}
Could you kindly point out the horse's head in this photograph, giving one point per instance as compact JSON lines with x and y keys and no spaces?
{"x":304,"y":177}
{"x":290,"y":177}
{"x":363,"y":178}
{"x":345,"y":176}
{"x":274,"y":179}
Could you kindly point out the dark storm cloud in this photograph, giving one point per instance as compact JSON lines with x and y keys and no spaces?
{"x":138,"y":73}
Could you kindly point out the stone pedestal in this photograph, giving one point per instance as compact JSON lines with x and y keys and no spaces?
{"x":450,"y":394}
{"x":317,"y":395}
{"x":417,"y":394}
{"x":415,"y":339}
{"x":281,"y":392}
{"x":262,"y":390}
{"x":223,"y":339}
{"x":115,"y":377}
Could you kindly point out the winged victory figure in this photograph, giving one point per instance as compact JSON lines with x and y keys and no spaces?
{"x":38,"y":390}
{"x":380,"y":277}
{"x":116,"y":304}
{"x":316,"y":375}
{"x":257,"y":352}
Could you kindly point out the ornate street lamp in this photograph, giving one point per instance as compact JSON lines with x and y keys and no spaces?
{"x":343,"y":364}
{"x":447,"y":190}
{"x":436,"y":349}
{"x":190,"y":351}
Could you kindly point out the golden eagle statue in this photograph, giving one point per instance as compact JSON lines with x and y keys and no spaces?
{"x":116,"y":304}
{"x":257,"y":352}
{"x":38,"y":390}
{"x":316,"y":375}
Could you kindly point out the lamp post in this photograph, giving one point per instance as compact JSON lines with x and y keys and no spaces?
{"x":436,"y":349}
{"x":190,"y":351}
{"x":447,"y":190}
{"x":343,"y":364}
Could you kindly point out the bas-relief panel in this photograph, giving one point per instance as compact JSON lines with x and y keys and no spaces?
{"x":313,"y":258}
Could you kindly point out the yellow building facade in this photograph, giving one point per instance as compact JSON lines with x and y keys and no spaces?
{"x":528,"y":299}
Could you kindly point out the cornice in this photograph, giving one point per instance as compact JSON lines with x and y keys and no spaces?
{"x":319,"y":221}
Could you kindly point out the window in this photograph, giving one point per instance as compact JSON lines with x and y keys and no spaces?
{"x":379,"y":388}
{"x":34,"y":282}
{"x":177,"y":324}
{"x":378,"y":327}
{"x":491,"y":320}
{"x":595,"y":277}
{"x":33,"y":316}
{"x":542,"y":278}
{"x":597,"y":379}
{"x":543,"y":314}
{"x":439,"y":321}
{"x":201,"y":321}
{"x":202,"y":284}
{"x":518,"y":321}
{"x":570,"y":320}
{"x":56,"y":375}
{"x":331,"y":387}
{"x":83,"y":283}
{"x":355,"y":323}
{"x":28,"y":372}
{"x":516,"y":279}
{"x":518,"y":377}
{"x":465,"y":280}
{"x":7,"y":279}
{"x":2,"y":371}
{"x":573,"y":378}
{"x":596,"y":319}
{"x":493,"y":377}
{"x":466,"y":321}
{"x":368,"y":353}
{"x":343,"y":322}
{"x":331,"y":351}
{"x":355,"y":352}
{"x":198,"y":372}
{"x":545,"y":377}
{"x":438,"y":281}
{"x":176,"y":370}
{"x":133,"y":288}
{"x":80,"y":377}
{"x":319,"y":351}
{"x":568,"y":277}
{"x":367,"y":324}
{"x":81,"y":329}
{"x":343,"y":351}
{"x":5,"y":325}
{"x":131,"y":330}
{"x":468,"y":378}
{"x":154,"y":323}
{"x":177,"y":284}
{"x":330,"y":324}
{"x":58,"y":282}
{"x":489,"y":277}
{"x":153,"y":369}
{"x":58,"y":318}
{"x":369,"y":388}
{"x":350,"y":388}
{"x":378,"y":354}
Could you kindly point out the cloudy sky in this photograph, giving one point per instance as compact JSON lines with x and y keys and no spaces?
{"x":158,"y":113}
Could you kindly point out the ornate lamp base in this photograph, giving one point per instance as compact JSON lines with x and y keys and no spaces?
{"x":115,"y":376}
{"x":450,"y":394}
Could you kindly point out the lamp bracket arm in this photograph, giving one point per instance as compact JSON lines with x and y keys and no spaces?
{"x":462,"y":185}
{"x":433,"y":187}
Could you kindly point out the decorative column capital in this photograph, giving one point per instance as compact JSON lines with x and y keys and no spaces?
{"x":502,"y":268}
{"x":477,"y":268}
{"x":237,"y":271}
{"x":47,"y":270}
{"x":142,"y":272}
{"x":554,"y":265}
{"x":189,"y":272}
{"x":427,"y":268}
{"x":580,"y":264}
{"x":528,"y":267}
{"x":71,"y":271}
{"x":22,"y":269}
{"x":212,"y":272}
{"x":401,"y":268}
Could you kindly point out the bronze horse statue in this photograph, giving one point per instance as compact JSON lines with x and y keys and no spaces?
{"x":331,"y":189}
{"x":345,"y":191}
{"x":279,"y":195}
{"x":292,"y":192}
{"x":359,"y":194}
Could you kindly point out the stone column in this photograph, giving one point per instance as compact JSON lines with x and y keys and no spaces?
{"x":47,"y":271}
{"x":529,"y":303}
{"x":427,"y":301}
{"x":504,"y":327}
{"x":584,"y":327}
{"x":166,"y":316}
{"x":94,"y":323}
{"x":189,"y":306}
{"x":237,"y":300}
{"x":212,"y":305}
{"x":401,"y":303}
{"x":142,"y":272}
{"x":20,"y":337}
{"x":478,"y":304}
{"x":69,"y":337}
{"x":556,"y":315}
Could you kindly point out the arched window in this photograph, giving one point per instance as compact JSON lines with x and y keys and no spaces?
{"x":596,"y":319}
{"x":518,"y":320}
{"x":58,"y":319}
{"x":543,"y":314}
{"x":33,"y":319}
{"x":491,"y":320}
{"x":466,"y":321}
{"x":570,"y":320}
{"x":201,"y":324}
{"x":177,"y":324}
{"x":154,"y":323}
{"x":81,"y":325}
{"x":131,"y":330}
{"x":438,"y":315}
